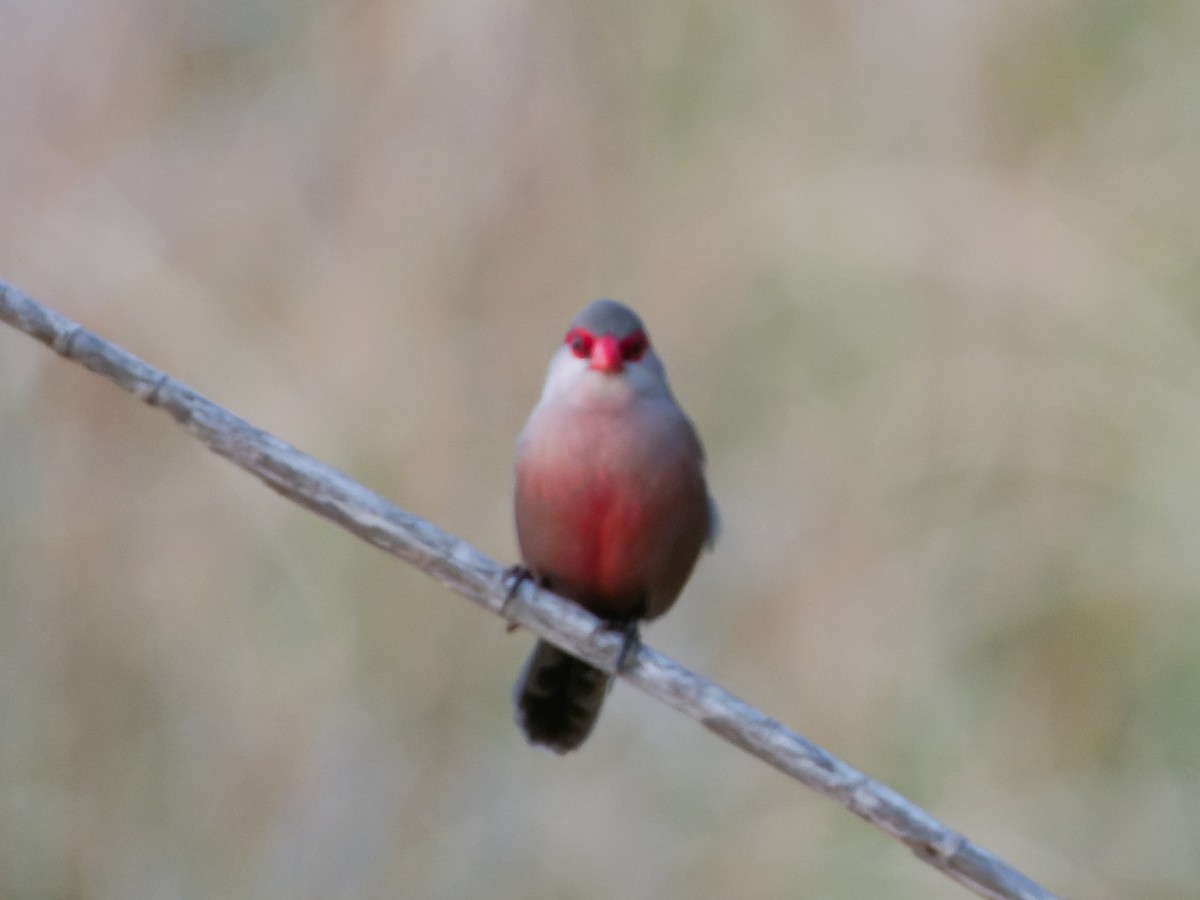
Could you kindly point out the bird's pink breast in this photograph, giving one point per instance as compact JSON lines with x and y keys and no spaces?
{"x":606,"y":525}
{"x":613,"y":514}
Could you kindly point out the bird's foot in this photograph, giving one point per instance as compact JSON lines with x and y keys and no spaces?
{"x":514,"y":576}
{"x":631,"y":643}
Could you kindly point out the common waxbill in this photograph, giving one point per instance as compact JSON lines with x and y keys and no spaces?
{"x":611,"y":505}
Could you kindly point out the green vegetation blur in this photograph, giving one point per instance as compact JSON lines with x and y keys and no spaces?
{"x":924,"y":273}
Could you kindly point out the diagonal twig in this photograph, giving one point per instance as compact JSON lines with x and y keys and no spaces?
{"x":332,"y":495}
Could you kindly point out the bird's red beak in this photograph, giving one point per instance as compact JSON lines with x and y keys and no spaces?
{"x":606,"y":355}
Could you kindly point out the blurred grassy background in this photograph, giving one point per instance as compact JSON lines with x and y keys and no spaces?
{"x":924,"y":274}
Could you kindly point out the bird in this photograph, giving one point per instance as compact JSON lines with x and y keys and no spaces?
{"x":611,"y":504}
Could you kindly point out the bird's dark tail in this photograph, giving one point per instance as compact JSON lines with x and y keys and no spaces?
{"x":558,"y":698}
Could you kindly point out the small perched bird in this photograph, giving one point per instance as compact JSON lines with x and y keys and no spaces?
{"x":611,"y":505}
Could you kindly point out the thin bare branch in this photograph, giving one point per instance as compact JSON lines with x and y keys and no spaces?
{"x":458,"y":565}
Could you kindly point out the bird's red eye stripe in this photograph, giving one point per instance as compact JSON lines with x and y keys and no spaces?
{"x":580,"y":342}
{"x":633,"y":346}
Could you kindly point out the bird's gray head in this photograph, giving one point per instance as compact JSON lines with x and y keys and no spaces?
{"x":606,"y":348}
{"x":608,"y":317}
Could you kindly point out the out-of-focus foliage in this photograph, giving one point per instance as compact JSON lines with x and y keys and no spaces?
{"x":924,"y":273}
